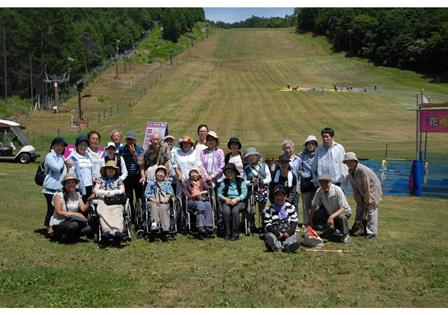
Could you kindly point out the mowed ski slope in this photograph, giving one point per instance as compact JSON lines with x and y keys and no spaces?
{"x":232,"y":82}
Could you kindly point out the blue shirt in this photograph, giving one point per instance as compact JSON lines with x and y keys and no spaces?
{"x":153,"y":188}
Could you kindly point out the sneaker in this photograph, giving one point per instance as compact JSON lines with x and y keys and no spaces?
{"x":154,"y":226}
{"x":370,"y":237}
{"x":227,"y":237}
{"x":346,"y":239}
{"x":235,"y":237}
{"x":291,"y":248}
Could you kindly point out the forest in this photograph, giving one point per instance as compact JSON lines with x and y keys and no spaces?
{"x":407,"y":38}
{"x":75,"y":40}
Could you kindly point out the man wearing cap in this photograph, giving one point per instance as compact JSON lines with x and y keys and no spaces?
{"x":336,"y":209}
{"x":328,"y":160}
{"x":157,"y":153}
{"x":112,"y":155}
{"x":130,"y":153}
{"x":304,"y":171}
{"x":367,"y":193}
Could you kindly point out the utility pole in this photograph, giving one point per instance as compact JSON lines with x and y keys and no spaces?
{"x":171,"y":56}
{"x":31,"y":81}
{"x":4,"y":64}
{"x":79,"y":87}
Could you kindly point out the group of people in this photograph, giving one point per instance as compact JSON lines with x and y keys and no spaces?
{"x":199,"y":171}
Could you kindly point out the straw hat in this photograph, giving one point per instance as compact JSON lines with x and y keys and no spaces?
{"x":109,"y":164}
{"x":69,"y":177}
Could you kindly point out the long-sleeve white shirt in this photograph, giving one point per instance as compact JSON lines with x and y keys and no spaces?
{"x":328,"y":161}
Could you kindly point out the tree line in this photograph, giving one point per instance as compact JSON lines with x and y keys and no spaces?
{"x":79,"y":39}
{"x":260,"y":22}
{"x":407,"y":38}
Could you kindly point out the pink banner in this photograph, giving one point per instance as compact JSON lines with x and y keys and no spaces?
{"x":71,"y":148}
{"x":434,"y":120}
{"x":153,"y":127}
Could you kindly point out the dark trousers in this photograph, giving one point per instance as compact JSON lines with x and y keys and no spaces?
{"x":340,"y":223}
{"x":231,"y":216}
{"x":89,"y":190}
{"x":50,"y":209}
{"x":131,"y":186}
{"x":72,"y":229}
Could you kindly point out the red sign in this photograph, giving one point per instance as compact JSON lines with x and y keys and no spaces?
{"x":434,"y":120}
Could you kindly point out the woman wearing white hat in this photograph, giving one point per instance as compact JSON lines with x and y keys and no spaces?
{"x":304,"y":171}
{"x":212,"y":159}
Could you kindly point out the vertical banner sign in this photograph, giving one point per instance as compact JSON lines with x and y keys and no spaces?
{"x":151,"y":127}
{"x":434,"y":120}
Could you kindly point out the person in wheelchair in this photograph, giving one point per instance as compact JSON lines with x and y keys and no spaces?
{"x":111,"y":199}
{"x":232,"y":193}
{"x":281,"y":222}
{"x":158,"y":192}
{"x":198,"y":201}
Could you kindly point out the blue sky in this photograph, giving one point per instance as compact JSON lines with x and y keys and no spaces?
{"x":230,"y":15}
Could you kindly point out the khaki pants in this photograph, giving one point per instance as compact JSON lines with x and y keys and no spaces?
{"x":160,"y":214}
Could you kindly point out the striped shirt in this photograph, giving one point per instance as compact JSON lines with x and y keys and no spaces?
{"x":272,"y":217}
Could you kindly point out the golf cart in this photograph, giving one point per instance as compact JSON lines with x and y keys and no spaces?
{"x":14,"y":145}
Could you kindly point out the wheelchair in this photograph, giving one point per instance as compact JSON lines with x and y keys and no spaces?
{"x":110,"y":238}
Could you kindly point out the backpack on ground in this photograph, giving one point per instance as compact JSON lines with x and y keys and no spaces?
{"x":312,"y":239}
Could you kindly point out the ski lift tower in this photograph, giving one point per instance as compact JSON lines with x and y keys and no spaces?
{"x":55,"y":81}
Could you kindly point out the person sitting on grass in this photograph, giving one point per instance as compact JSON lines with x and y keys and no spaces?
{"x":336,"y":211}
{"x":68,"y":220}
{"x":281,"y":222}
{"x":159,"y":192}
{"x":196,"y":192}
{"x":111,"y":216}
{"x":367,"y":193}
{"x":232,"y":192}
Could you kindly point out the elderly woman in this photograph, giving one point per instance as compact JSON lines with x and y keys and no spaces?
{"x":304,"y":170}
{"x":285,"y":177}
{"x":232,"y":193}
{"x":80,"y":165}
{"x":258,"y":177}
{"x":68,"y":220}
{"x":200,"y":144}
{"x":186,"y":158}
{"x":196,"y":192}
{"x":235,"y":156}
{"x":111,"y":215}
{"x":95,"y":155}
{"x":54,"y":169}
{"x":212,"y":159}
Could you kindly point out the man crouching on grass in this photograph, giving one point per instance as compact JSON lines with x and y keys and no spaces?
{"x":367,"y":193}
{"x":331,"y":199}
{"x":281,"y":222}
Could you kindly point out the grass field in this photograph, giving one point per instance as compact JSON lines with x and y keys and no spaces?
{"x":232,"y":81}
{"x":405,"y":267}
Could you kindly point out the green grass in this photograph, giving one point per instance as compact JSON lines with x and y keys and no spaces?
{"x":232,"y":82}
{"x":405,"y":267}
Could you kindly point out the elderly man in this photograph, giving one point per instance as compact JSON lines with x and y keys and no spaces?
{"x":157,"y":153}
{"x":367,"y":193}
{"x":336,"y":211}
{"x":329,"y":158}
